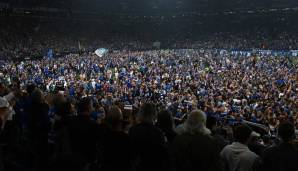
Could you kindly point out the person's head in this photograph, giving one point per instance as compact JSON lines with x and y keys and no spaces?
{"x":211,"y":123}
{"x":242,"y":134}
{"x":85,"y":107}
{"x":147,"y":113}
{"x":37,"y":96}
{"x":165,"y":120}
{"x":57,"y":99}
{"x":286,"y":131}
{"x":114,"y":117}
{"x":196,"y":122}
{"x":64,"y":109}
{"x":99,"y":113}
{"x":30,"y":88}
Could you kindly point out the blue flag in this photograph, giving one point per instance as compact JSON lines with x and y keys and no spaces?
{"x":50,"y":54}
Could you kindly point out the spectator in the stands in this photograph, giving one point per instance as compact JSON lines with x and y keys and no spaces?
{"x":150,"y":151}
{"x":211,"y":124}
{"x":165,"y":122}
{"x":187,"y":126}
{"x":84,"y":132}
{"x":64,"y":114}
{"x":115,"y":146}
{"x":195,"y":149}
{"x":255,"y":145}
{"x":283,"y":156}
{"x":237,"y":156}
{"x":64,"y":111}
{"x":38,"y":127}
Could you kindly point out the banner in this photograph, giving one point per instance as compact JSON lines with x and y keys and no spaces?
{"x":264,"y":53}
{"x":50,"y":54}
{"x":101,"y":52}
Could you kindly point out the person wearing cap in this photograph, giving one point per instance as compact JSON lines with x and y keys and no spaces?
{"x":237,"y":156}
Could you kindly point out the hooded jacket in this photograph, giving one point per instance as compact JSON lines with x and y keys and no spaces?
{"x":238,"y":157}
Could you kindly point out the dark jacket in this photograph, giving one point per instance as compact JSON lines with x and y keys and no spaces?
{"x":38,"y":128}
{"x":83,"y":137}
{"x":257,"y":148}
{"x":280,"y":158}
{"x":191,"y":152}
{"x":169,"y":133}
{"x":38,"y":120}
{"x":115,"y":150}
{"x":150,"y":152}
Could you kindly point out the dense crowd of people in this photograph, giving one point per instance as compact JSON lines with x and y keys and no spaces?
{"x":33,"y":43}
{"x":23,"y":38}
{"x":149,"y":110}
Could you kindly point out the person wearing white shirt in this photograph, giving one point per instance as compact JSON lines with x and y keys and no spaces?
{"x":237,"y":156}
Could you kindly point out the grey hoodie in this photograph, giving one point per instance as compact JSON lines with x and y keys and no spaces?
{"x":238,"y":157}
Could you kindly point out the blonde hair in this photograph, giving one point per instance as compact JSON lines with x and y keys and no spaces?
{"x":196,"y":122}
